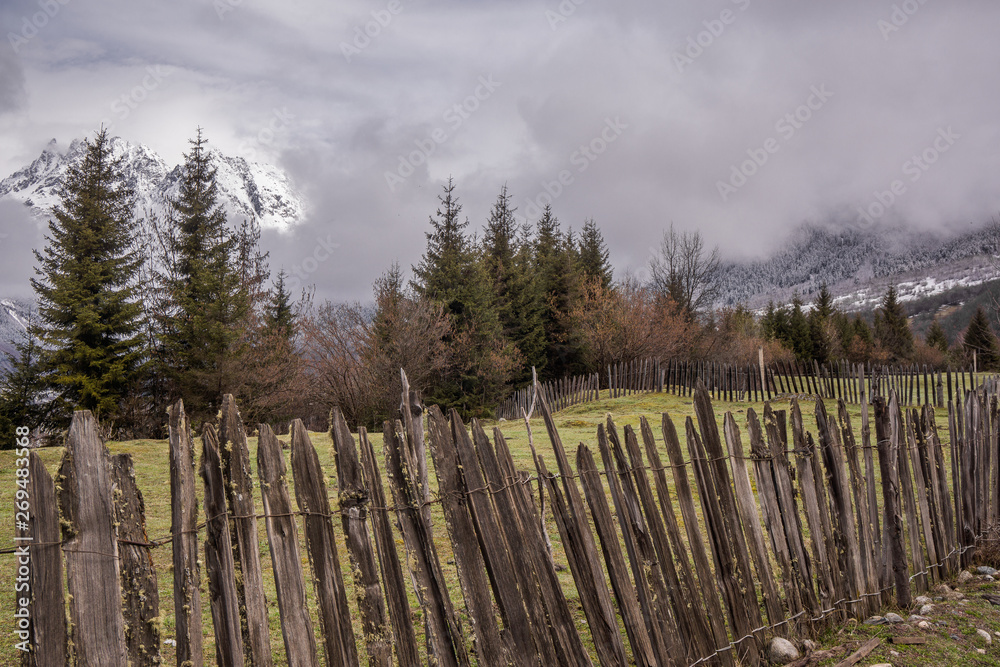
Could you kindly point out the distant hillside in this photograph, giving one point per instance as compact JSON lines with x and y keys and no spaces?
{"x":858,"y":265}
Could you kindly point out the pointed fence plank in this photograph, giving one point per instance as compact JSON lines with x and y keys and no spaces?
{"x":354,"y":502}
{"x":246,"y":541}
{"x":283,"y":540}
{"x":313,"y":500}
{"x":184,"y":528}
{"x":455,"y":501}
{"x":442,"y":626}
{"x":140,"y":596}
{"x":45,"y":638}
{"x":219,"y":556}
{"x":405,"y":641}
{"x":91,"y":546}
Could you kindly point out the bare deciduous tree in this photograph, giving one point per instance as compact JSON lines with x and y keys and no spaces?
{"x":684,"y":271}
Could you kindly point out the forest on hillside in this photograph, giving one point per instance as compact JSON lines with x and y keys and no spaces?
{"x":132,"y":317}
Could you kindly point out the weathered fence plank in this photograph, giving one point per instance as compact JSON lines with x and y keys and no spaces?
{"x":283,"y":540}
{"x":888,"y":444}
{"x":442,"y":626}
{"x":46,"y":639}
{"x":355,"y":499}
{"x":140,"y":596}
{"x":246,"y":543}
{"x":184,"y":528}
{"x":405,"y":643}
{"x":91,"y":546}
{"x":219,"y":556}
{"x":314,"y":501}
{"x":455,"y":501}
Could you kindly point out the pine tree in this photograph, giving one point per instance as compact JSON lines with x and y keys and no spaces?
{"x":515,"y":297}
{"x":800,"y":336}
{"x":593,"y":254}
{"x":21,"y":388}
{"x":892,"y":330}
{"x":979,"y":338}
{"x":820,"y":327}
{"x":555,"y":267}
{"x":89,"y":326}
{"x":936,"y":337}
{"x":450,"y":273}
{"x":280,"y":316}
{"x":209,"y":301}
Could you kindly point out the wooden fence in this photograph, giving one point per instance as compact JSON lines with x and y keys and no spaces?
{"x":700,"y":553}
{"x":913,"y":385}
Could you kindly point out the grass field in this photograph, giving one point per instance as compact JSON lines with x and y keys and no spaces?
{"x":576,"y":424}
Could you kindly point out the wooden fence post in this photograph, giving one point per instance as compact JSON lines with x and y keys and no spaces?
{"x":140,"y":597}
{"x":40,"y":542}
{"x":888,"y":458}
{"x":314,"y":501}
{"x":91,"y":546}
{"x":283,"y":539}
{"x":219,"y":556}
{"x":354,"y":502}
{"x":184,"y":528}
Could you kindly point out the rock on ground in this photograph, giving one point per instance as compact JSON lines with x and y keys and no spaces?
{"x":781,"y":651}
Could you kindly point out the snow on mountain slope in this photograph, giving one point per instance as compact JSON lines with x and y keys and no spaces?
{"x":246,"y":189}
{"x":858,"y":265}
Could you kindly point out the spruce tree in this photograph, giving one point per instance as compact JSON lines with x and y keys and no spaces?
{"x":555,"y":267}
{"x":979,"y":338}
{"x":593,"y":254}
{"x":800,"y":335}
{"x":21,"y":388}
{"x":892,"y":330}
{"x":936,"y":337}
{"x":516,"y":299}
{"x":280,"y":316}
{"x":450,"y":273}
{"x":89,"y":321}
{"x":209,"y":302}
{"x":820,"y":327}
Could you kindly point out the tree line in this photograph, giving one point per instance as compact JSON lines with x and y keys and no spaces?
{"x":134,"y":312}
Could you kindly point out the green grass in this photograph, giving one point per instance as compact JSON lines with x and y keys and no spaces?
{"x":576,"y":424}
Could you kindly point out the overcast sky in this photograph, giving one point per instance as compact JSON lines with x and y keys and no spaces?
{"x":741,"y":119}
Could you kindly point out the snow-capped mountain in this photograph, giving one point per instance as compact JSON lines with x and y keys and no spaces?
{"x":13,"y":323}
{"x":246,"y":189}
{"x":857,"y":265}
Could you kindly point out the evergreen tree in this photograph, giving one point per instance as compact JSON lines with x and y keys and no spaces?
{"x":559,"y":283}
{"x":449,"y":273}
{"x":820,"y":326}
{"x":89,"y":326}
{"x":936,"y":337}
{"x":280,"y":316}
{"x":208,"y":296}
{"x":892,"y":330}
{"x":507,"y":261}
{"x":21,"y":388}
{"x":593,"y":254}
{"x":800,"y":336}
{"x":979,"y":338}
